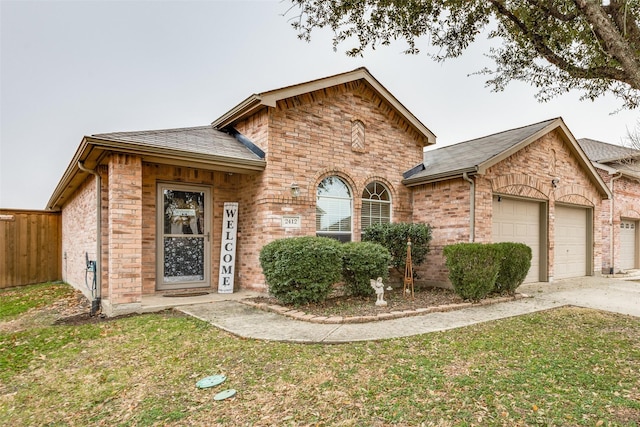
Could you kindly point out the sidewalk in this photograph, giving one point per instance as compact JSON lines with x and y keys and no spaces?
{"x":610,"y":294}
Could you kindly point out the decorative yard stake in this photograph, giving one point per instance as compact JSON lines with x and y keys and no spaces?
{"x":408,"y":273}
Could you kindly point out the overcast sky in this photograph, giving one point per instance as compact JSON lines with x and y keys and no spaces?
{"x":75,"y":68}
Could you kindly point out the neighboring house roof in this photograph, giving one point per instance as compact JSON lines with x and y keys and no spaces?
{"x":200,"y":147}
{"x":603,"y":152}
{"x":612,"y":158}
{"x":256,"y":102}
{"x":477,"y":155}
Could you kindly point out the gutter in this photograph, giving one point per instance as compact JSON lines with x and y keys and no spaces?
{"x":443,"y":176}
{"x":95,"y":303}
{"x":611,"y":229}
{"x":472,"y":207}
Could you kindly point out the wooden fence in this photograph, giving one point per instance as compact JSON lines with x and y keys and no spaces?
{"x":30,"y":246}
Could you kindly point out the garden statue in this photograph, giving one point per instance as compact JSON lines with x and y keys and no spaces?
{"x":378,"y":286}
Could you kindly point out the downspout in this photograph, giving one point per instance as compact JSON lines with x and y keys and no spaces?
{"x":612,"y":229}
{"x":472,"y":207}
{"x":95,"y":304}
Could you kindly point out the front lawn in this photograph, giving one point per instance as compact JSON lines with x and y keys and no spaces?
{"x":568,"y":366}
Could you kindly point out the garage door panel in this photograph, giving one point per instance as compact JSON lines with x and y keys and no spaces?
{"x":516,"y":220}
{"x":570,"y":258}
{"x":627,"y":256}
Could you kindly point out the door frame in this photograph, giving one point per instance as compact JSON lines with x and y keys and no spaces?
{"x":161,"y":285}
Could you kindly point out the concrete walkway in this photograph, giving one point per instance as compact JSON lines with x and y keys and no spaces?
{"x":619,"y":295}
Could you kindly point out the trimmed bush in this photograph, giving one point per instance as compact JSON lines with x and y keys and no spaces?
{"x":394,"y":236}
{"x":473,"y":269}
{"x":301,"y":270}
{"x":515,"y":262}
{"x":361,"y":262}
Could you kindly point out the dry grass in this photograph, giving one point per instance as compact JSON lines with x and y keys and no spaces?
{"x":563,"y":367}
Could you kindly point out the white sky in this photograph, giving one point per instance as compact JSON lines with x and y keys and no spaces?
{"x":75,"y":68}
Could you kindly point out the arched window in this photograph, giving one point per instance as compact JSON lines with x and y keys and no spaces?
{"x":376,"y":205}
{"x":334,"y":205}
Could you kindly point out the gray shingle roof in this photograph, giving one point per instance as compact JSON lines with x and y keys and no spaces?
{"x":603,"y":152}
{"x":203,"y":140}
{"x":466,"y":156}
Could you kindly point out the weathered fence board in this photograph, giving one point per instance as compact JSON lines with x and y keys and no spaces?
{"x":30,"y":245}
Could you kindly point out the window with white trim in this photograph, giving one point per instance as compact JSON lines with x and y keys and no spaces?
{"x":334,"y":206}
{"x":376,"y":205}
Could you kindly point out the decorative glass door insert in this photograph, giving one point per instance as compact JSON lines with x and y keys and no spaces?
{"x":183,"y":237}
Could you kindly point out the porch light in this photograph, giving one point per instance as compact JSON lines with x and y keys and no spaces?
{"x":295,"y":190}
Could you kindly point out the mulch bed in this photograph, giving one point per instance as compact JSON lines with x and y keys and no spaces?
{"x":340,"y":304}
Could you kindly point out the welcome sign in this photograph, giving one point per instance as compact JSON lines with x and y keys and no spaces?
{"x":228,"y":248}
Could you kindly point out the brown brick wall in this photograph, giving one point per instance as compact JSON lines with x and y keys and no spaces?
{"x":79,"y":234}
{"x":79,"y":224}
{"x":526,"y":174}
{"x":626,"y":194}
{"x":310,"y":138}
{"x":125,"y":229}
{"x":444,"y":205}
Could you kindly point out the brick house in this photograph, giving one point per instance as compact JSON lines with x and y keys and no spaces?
{"x":532,"y":185}
{"x":322,"y":157}
{"x":189,"y":209}
{"x":619,"y":167}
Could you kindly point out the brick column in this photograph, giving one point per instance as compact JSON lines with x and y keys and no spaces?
{"x":125,"y":234}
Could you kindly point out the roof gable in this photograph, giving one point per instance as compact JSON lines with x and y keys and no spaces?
{"x":468,"y":156}
{"x":259,"y":101}
{"x":478,"y":155}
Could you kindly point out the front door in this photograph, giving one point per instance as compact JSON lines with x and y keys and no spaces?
{"x":183,"y":237}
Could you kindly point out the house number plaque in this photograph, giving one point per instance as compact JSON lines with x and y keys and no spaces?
{"x":291,"y":221}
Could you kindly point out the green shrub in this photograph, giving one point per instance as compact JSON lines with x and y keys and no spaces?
{"x":515,"y":262}
{"x":300,"y":270}
{"x":361,"y":262}
{"x":394,"y":237}
{"x":473,"y":269}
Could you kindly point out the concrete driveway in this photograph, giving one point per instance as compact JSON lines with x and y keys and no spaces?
{"x":610,"y":294}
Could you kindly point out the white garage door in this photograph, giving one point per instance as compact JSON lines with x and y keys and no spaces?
{"x":628,"y":245}
{"x":570,"y":258}
{"x":518,"y":221}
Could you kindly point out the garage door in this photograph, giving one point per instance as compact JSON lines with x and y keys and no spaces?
{"x":628,"y":245}
{"x":571,"y":252}
{"x":518,"y":221}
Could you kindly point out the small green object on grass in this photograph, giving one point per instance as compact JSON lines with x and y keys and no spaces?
{"x":211,"y":381}
{"x":225,"y":394}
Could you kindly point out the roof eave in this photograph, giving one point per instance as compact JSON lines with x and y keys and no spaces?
{"x":412,"y":182}
{"x":579,"y":152}
{"x":243,"y":109}
{"x":67,"y":176}
{"x":96,"y":148}
{"x":147,"y":151}
{"x":613,"y":171}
